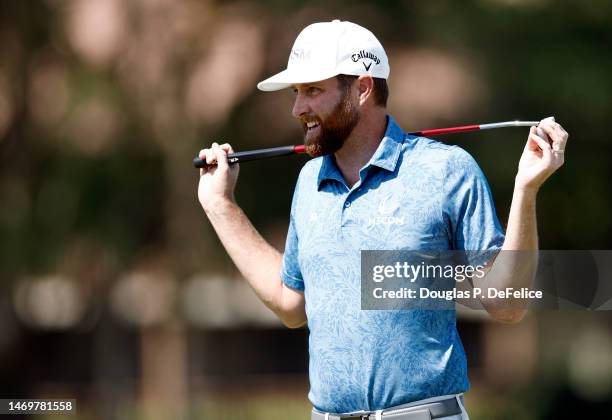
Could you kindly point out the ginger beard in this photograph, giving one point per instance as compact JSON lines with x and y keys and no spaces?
{"x":334,"y":130}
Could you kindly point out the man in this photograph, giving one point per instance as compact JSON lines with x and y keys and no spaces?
{"x":375,"y":364}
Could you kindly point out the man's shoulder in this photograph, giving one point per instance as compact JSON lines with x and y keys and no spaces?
{"x":309,"y":174}
{"x":424,"y":146}
{"x":429,"y":150}
{"x":427,"y":145}
{"x":312,"y":166}
{"x":311,"y":169}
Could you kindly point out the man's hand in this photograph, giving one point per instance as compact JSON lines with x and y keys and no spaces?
{"x":217,"y":183}
{"x":543,"y":154}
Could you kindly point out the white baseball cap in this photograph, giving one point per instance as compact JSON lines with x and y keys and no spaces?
{"x":327,"y":49}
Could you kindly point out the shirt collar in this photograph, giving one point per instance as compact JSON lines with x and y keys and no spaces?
{"x":388,"y":151}
{"x":385,"y":156}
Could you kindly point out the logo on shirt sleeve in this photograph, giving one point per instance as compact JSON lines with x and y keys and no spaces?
{"x":313,"y":216}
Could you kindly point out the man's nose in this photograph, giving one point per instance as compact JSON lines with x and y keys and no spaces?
{"x":299,"y":106}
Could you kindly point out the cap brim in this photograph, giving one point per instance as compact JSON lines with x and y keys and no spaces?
{"x":286,"y":78}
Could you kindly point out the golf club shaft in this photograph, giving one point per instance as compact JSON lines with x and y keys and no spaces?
{"x":290,"y":150}
{"x":474,"y":127}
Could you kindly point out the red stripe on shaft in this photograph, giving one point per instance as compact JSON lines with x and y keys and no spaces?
{"x":446,"y":130}
{"x":299,"y":149}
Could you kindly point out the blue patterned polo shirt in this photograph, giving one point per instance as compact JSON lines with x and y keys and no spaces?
{"x":413,"y":194}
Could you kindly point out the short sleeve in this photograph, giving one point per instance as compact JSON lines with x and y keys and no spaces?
{"x":468,"y":206}
{"x":290,"y":271}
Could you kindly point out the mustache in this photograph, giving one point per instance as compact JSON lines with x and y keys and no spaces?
{"x":307,"y":119}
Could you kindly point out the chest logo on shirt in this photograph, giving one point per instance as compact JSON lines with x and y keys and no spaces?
{"x":387,"y":206}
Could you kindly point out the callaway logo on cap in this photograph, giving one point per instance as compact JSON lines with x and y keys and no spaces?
{"x":327,"y":49}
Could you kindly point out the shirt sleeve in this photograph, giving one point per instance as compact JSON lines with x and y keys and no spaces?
{"x":468,"y":206}
{"x":290,"y":271}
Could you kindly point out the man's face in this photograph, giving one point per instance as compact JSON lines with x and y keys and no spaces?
{"x":327,"y":113}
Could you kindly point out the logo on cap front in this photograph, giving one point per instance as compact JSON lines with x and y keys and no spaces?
{"x":362,"y":55}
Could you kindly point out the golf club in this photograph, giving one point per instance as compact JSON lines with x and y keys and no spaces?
{"x":291,"y":150}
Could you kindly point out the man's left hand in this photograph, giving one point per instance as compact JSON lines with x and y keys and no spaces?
{"x":543,"y":154}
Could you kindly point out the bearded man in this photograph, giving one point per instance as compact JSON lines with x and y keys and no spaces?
{"x":396,"y":364}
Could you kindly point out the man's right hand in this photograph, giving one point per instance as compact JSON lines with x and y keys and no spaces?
{"x":217,"y":183}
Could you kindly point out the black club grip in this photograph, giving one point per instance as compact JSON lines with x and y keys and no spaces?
{"x":246,"y":156}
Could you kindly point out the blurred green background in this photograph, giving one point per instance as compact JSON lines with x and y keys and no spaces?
{"x":113,"y":287}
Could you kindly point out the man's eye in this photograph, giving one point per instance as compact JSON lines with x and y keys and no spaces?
{"x":313,"y":90}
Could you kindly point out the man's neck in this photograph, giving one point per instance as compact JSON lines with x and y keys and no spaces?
{"x":361,"y":145}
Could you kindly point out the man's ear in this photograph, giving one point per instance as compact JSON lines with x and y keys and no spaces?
{"x":365,"y":83}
